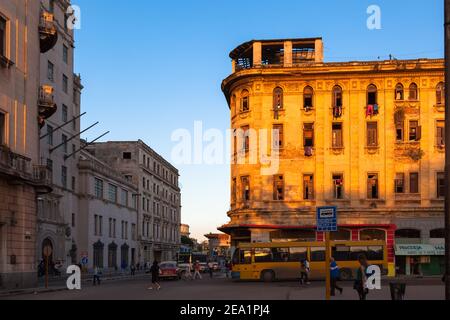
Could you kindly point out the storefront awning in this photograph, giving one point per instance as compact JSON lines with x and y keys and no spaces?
{"x":419,"y":250}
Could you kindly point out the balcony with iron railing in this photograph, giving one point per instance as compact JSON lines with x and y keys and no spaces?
{"x":48,"y":34}
{"x":46,"y":103}
{"x":18,"y":168}
{"x":14,"y":164}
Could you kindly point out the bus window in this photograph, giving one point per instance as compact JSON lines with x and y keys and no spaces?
{"x":245,"y":256}
{"x":375,"y":253}
{"x":317,"y":254}
{"x":298,"y":254}
{"x":263,"y":255}
{"x":356,"y":252}
{"x":341,"y":253}
{"x":235,"y":259}
{"x":280,"y":254}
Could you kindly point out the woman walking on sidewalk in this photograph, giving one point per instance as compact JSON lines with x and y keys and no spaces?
{"x":155,"y":271}
{"x":335,"y":274}
{"x":361,"y":278}
{"x":97,"y":273}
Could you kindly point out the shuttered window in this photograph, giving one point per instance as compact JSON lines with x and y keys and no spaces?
{"x":440,"y":133}
{"x":337,"y":139}
{"x":414,"y":182}
{"x":308,"y":187}
{"x":372,"y":186}
{"x":372,"y":134}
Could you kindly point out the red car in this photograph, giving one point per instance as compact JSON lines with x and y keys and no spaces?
{"x":169,"y":270}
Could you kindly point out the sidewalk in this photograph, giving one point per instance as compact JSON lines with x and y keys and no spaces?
{"x":59,"y":283}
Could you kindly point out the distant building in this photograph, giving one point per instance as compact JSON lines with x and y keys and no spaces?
{"x":159,"y":203}
{"x":219,"y":244}
{"x":108,"y":216}
{"x":185,"y":231}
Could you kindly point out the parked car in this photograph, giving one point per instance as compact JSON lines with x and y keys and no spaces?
{"x":169,"y":270}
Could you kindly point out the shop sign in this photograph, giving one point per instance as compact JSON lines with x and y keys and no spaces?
{"x":419,"y":250}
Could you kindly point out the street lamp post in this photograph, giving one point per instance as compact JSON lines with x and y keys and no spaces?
{"x":447,"y":152}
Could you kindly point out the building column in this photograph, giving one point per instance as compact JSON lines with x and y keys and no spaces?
{"x":288,"y":54}
{"x":257,"y":54}
{"x":319,"y":51}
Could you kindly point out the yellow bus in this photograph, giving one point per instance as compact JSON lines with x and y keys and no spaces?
{"x":281,"y":261}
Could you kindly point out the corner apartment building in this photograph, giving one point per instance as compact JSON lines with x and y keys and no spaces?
{"x":159,"y":196}
{"x":107,"y":232}
{"x":25,"y":33}
{"x":367,"y":137}
{"x":60,"y":139}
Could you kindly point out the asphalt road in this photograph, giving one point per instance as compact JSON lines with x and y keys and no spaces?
{"x":224,"y":289}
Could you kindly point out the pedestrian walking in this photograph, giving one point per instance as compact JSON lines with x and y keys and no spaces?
{"x":211,"y":269}
{"x":97,"y":274}
{"x":197,"y":270}
{"x":155,"y":271}
{"x":228,"y":269}
{"x":304,"y":272}
{"x":335,"y":274}
{"x":133,"y":270}
{"x":360,"y":284}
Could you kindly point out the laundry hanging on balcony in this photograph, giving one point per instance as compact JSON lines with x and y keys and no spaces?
{"x":372,"y":110}
{"x":308,"y":151}
{"x":337,"y":112}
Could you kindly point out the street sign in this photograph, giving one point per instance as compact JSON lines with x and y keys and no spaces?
{"x":84,"y":261}
{"x":327,"y":219}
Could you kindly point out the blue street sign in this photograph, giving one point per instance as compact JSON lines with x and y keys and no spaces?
{"x":84,"y":261}
{"x":327,"y":219}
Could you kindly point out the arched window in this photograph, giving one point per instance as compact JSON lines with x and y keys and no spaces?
{"x":341,"y":235}
{"x":413,"y":92}
{"x":440,"y":94}
{"x":372,"y":95}
{"x":112,"y":255}
{"x":278,"y":99}
{"x":245,"y":101}
{"x":337,"y":96}
{"x":408,"y":234}
{"x":98,"y":254}
{"x":399,"y":92}
{"x":308,"y":98}
{"x":372,"y":235}
{"x":437,"y":234}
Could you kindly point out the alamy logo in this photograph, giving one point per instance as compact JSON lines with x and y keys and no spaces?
{"x":73,"y":16}
{"x":374,"y":20}
{"x":74,"y":280}
{"x":374,"y":280}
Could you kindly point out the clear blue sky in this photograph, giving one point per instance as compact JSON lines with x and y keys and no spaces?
{"x":151,"y":67}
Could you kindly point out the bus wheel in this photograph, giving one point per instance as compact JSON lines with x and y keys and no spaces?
{"x":346,"y":275}
{"x":268,"y":276}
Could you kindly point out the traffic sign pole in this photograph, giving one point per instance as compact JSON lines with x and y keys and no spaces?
{"x":327,"y":265}
{"x":46,"y":272}
{"x":327,"y":222}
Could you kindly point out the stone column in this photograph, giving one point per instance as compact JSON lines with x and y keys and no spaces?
{"x":319,"y":50}
{"x":257,"y":54}
{"x":288,"y":54}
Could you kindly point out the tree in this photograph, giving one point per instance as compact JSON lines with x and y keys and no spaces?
{"x":187,"y":241}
